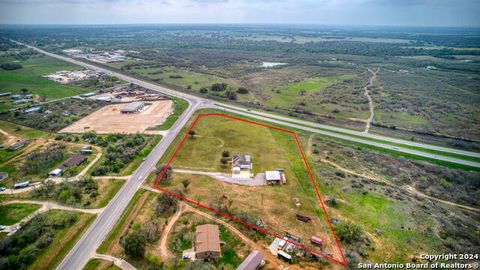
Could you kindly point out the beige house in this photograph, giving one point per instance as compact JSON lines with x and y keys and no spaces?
{"x":241,"y":166}
{"x":207,"y":242}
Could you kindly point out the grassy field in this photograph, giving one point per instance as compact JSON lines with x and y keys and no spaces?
{"x":216,"y":134}
{"x":14,"y":213}
{"x":107,"y":190}
{"x":30,"y":77}
{"x":180,"y":105}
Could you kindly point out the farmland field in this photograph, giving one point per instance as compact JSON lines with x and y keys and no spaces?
{"x":30,"y":77}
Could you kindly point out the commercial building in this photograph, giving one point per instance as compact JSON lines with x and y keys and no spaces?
{"x":33,"y":110}
{"x":133,"y":107}
{"x":207,"y":242}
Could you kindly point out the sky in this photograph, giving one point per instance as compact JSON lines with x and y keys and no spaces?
{"x":324,"y":12}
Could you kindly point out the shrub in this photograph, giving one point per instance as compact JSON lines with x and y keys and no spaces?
{"x":348,"y":232}
{"x":242,"y":90}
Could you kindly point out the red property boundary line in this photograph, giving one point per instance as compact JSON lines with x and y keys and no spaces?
{"x":344,"y":262}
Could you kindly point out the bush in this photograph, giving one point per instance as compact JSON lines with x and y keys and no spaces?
{"x":242,"y":90}
{"x":348,"y":232}
{"x":203,"y":90}
{"x":10,"y":66}
{"x":231,"y":95}
{"x":218,"y":87}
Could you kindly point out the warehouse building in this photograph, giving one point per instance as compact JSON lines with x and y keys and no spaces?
{"x":133,"y":107}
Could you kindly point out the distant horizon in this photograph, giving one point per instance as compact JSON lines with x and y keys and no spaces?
{"x":240,"y":24}
{"x":395,"y":13}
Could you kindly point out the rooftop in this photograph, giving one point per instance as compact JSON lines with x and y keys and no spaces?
{"x":253,"y":260}
{"x":207,"y":238}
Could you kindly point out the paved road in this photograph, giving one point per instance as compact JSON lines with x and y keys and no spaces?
{"x":86,"y":246}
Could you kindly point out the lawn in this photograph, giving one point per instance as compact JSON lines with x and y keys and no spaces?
{"x":30,"y":77}
{"x":15,"y":212}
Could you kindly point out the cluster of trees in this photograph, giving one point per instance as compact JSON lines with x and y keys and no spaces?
{"x":40,"y":161}
{"x":21,"y":249}
{"x":120,"y":150}
{"x":135,"y":240}
{"x":79,"y":193}
{"x":10,"y":66}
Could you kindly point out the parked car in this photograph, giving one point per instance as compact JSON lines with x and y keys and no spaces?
{"x":2,"y":227}
{"x":2,"y":189}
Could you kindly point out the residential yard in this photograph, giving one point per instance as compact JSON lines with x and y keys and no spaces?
{"x":183,"y":237}
{"x":13,"y":213}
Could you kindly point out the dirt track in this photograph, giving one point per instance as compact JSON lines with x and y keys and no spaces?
{"x":108,"y":119}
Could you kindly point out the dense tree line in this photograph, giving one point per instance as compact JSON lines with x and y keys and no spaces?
{"x":120,"y":150}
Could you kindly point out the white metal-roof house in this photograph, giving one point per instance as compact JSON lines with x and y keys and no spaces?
{"x":241,"y":166}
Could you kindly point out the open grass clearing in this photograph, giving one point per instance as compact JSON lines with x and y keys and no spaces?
{"x":13,"y":213}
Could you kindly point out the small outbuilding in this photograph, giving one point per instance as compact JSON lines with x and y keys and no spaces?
{"x":86,"y":149}
{"x":316,"y":241}
{"x":55,"y":172}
